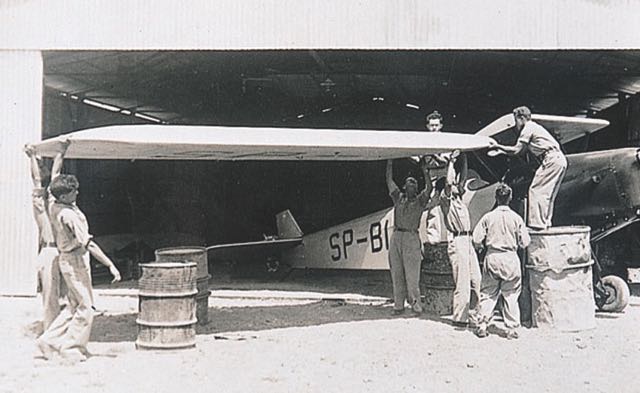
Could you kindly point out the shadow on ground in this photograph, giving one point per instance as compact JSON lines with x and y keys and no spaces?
{"x":118,"y":328}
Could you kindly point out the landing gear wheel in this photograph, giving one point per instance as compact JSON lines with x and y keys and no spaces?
{"x":617,"y":294}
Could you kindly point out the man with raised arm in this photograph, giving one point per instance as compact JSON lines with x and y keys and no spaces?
{"x":69,"y":333}
{"x":49,"y":279}
{"x":462,"y":256}
{"x":548,"y":177}
{"x":405,"y":249}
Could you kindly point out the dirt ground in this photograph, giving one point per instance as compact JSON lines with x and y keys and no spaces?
{"x":320,"y":334}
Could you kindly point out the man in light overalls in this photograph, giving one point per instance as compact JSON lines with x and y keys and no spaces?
{"x":501,"y":232}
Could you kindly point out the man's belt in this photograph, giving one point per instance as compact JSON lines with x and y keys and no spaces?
{"x":49,"y":244}
{"x":463,"y":233}
{"x":546,"y":152}
{"x":406,"y":230}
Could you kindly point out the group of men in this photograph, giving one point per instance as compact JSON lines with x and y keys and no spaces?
{"x":64,"y":274}
{"x":499,"y":234}
{"x":65,"y":242}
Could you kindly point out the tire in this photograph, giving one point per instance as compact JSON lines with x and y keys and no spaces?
{"x":618,"y":294}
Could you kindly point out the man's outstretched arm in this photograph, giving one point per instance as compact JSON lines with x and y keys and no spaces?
{"x":391,"y":185}
{"x":98,"y":254}
{"x":508,"y":150}
{"x":36,"y":176}
{"x":56,"y":169}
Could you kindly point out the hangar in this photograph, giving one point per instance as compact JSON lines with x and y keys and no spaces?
{"x":328,"y":70}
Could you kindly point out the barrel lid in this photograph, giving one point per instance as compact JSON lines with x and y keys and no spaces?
{"x":561,"y":230}
{"x":169,"y":265}
{"x":180,"y":250}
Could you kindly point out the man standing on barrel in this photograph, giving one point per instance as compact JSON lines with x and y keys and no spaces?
{"x":548,"y":177}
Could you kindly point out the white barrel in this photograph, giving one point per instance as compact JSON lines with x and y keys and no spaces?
{"x":560,"y":278}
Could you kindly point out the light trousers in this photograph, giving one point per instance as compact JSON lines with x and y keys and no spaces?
{"x":544,"y":189}
{"x":405,"y":258}
{"x":467,"y":277}
{"x":50,"y":281}
{"x":70,"y":331}
{"x":501,"y":276}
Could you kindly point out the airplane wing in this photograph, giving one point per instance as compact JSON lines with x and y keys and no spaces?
{"x":564,"y":128}
{"x":251,"y":251}
{"x":184,"y":142}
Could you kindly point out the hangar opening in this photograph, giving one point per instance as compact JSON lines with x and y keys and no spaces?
{"x":136,"y":206}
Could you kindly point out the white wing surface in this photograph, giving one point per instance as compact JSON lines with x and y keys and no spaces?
{"x":174,"y":142}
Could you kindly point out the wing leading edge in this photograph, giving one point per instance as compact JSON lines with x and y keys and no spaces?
{"x":157,"y":142}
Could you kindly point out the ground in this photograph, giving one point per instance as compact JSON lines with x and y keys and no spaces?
{"x":318,"y":334}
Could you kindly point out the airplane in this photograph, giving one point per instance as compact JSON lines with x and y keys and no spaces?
{"x":585,"y":198}
{"x":600,"y":189}
{"x":362,"y":243}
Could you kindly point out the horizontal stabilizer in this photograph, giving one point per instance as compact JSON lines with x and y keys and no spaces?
{"x":257,"y":251}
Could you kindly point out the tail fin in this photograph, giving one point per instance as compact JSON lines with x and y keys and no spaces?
{"x":287,"y":226}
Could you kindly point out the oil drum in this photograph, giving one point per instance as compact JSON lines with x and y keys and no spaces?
{"x":197,"y":255}
{"x":437,"y":279}
{"x":560,"y":278}
{"x":167,"y":306}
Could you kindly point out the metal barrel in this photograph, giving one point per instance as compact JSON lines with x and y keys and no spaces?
{"x":197,"y":255}
{"x":560,"y":278}
{"x":167,"y":306}
{"x":437,"y":279}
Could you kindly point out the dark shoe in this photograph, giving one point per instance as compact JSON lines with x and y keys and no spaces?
{"x":460,"y":324}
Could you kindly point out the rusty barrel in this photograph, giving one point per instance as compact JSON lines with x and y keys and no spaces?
{"x":167,"y":306}
{"x":560,"y":278}
{"x":437,"y":279}
{"x":197,"y":255}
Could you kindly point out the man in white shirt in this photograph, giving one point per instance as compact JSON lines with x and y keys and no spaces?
{"x":548,"y":177}
{"x":501,"y":232}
